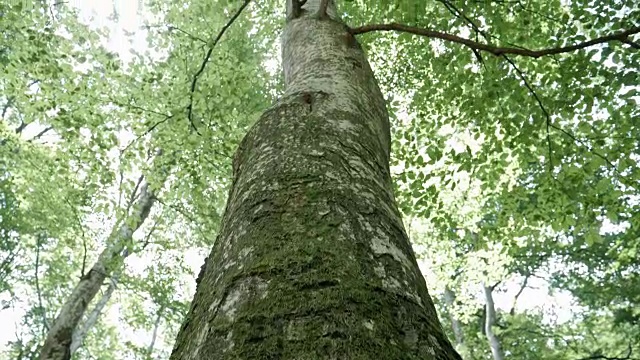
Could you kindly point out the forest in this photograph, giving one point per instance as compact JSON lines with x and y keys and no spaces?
{"x":320,"y":179}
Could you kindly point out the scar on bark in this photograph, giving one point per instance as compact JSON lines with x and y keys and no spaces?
{"x":311,"y":98}
{"x":307,"y":98}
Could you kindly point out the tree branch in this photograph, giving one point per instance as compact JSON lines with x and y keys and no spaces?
{"x":515,"y":299}
{"x":632,"y":44}
{"x":206,"y":60}
{"x":494,"y":50}
{"x":547,"y":116}
{"x":41,"y":133}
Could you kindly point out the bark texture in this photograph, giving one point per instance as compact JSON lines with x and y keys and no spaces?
{"x":58,"y":343}
{"x":312,"y":260}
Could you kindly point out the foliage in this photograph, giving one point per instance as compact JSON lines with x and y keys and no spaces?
{"x":510,"y":170}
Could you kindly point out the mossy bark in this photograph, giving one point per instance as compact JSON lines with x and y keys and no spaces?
{"x":312,"y":260}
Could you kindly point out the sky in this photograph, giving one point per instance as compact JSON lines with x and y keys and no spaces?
{"x":97,"y":13}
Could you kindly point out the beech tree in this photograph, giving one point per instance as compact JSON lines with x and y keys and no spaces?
{"x":312,"y":260}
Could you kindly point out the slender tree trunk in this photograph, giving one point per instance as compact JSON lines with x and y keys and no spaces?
{"x":80,"y":333}
{"x":57,"y":345}
{"x":312,"y":260}
{"x":456,"y":326}
{"x":154,"y":336}
{"x":490,"y":321}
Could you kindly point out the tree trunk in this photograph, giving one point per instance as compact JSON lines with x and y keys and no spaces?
{"x":57,"y":345}
{"x":312,"y":260}
{"x":490,"y":321}
{"x":81,"y":333}
{"x":456,"y":326}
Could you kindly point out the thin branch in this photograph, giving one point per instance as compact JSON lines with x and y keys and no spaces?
{"x":21,"y":127}
{"x":171,"y":27}
{"x":206,"y":60}
{"x":147,"y":238}
{"x":497,"y":51}
{"x":542,"y":107}
{"x":568,"y":134}
{"x":549,"y":125}
{"x":84,"y":257}
{"x":120,"y":181}
{"x":515,"y":299}
{"x":148,"y":131}
{"x":39,"y":135}
{"x":460,"y":15}
{"x":494,"y":286}
{"x":134,"y":194}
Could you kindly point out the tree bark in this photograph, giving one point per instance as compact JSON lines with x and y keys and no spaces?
{"x":312,"y":260}
{"x":57,"y":345}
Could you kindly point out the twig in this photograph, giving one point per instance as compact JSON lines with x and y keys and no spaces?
{"x":497,"y":51}
{"x":147,"y":238}
{"x":460,"y":15}
{"x":206,"y":60}
{"x":171,"y":27}
{"x":149,"y":130}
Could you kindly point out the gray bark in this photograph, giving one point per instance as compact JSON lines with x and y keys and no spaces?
{"x":312,"y":260}
{"x":57,"y":345}
{"x":490,"y":321}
